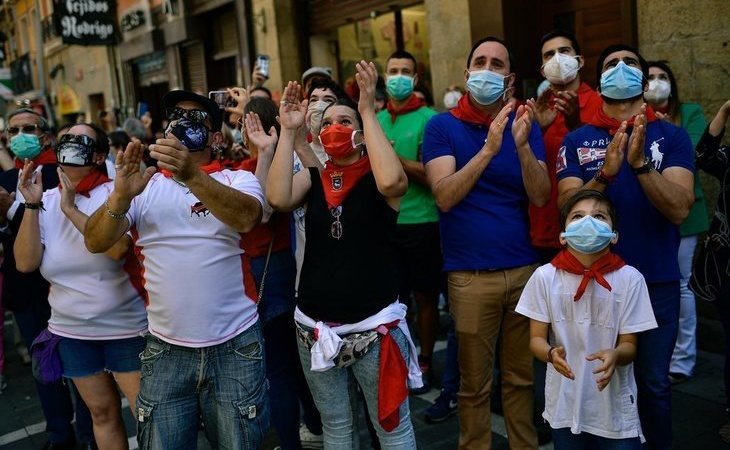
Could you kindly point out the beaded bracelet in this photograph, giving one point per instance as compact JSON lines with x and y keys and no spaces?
{"x":115,"y":215}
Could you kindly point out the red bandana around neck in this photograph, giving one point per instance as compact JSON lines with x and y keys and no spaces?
{"x":601,"y":120}
{"x":467,"y":112}
{"x":337,"y":181}
{"x":412,"y":104}
{"x":607,"y":263}
{"x":212,"y":167}
{"x":89,"y":182}
{"x":45,"y":157}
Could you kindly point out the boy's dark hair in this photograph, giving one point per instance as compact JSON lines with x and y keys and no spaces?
{"x":564,"y":34}
{"x":119,"y":139}
{"x":328,"y":84}
{"x":267,"y":111}
{"x":490,"y":39}
{"x":102,"y":140}
{"x":402,"y":54}
{"x":585,"y":194}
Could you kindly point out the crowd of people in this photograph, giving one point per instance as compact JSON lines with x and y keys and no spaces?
{"x":260,"y":264}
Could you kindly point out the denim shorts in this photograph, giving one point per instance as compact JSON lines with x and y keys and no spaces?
{"x":81,"y":358}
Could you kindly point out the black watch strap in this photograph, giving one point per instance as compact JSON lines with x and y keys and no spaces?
{"x":647,"y":167}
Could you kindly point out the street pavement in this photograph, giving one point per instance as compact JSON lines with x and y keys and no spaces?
{"x":697,"y":408}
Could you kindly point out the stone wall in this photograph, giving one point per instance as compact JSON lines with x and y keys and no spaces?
{"x":695,"y":38}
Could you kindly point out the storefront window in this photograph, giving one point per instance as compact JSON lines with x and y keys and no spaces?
{"x":374,"y":39}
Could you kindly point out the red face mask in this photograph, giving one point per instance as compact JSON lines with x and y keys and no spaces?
{"x":338,"y":140}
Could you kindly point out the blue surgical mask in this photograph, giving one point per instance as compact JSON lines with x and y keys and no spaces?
{"x":485,"y":86}
{"x":588,"y":235}
{"x":621,"y":82}
{"x":399,"y":87}
{"x":193,"y":135}
{"x":25,"y":146}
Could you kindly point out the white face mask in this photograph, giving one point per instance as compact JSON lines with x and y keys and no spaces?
{"x":451,"y":99}
{"x":561,"y":69}
{"x":659,"y":91}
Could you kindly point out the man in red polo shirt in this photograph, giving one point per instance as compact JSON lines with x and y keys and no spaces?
{"x":567,"y":104}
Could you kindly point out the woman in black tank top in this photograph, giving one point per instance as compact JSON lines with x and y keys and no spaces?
{"x":349,"y":274}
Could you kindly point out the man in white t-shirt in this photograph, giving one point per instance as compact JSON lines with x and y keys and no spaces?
{"x":204,"y":354}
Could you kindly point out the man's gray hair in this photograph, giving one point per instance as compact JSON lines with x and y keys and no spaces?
{"x":42,"y":123}
{"x":134,"y":128}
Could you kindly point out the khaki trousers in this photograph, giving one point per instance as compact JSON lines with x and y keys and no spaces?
{"x":483,"y":304}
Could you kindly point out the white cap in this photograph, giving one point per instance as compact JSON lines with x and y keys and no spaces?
{"x":326,"y":71}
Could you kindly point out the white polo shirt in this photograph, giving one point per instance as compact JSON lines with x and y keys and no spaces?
{"x":591,"y":324}
{"x":92,"y":296}
{"x":193,"y":262}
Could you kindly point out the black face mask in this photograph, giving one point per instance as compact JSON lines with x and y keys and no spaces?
{"x":193,"y":135}
{"x":76,"y":150}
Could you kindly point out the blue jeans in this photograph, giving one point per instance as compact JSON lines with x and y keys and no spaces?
{"x":333,"y":393}
{"x":56,"y":403}
{"x":651,"y":367}
{"x":224,"y":384}
{"x":563,"y":439}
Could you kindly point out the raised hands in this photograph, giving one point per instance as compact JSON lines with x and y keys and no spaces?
{"x":32,"y":189}
{"x":561,"y":364}
{"x":615,"y":151}
{"x":130,"y":180}
{"x":292,"y":111}
{"x":545,"y":114}
{"x":635,"y":155}
{"x":367,"y":78}
{"x":522,"y":123}
{"x":263,"y":141}
{"x":496,"y":129}
{"x":68,"y":193}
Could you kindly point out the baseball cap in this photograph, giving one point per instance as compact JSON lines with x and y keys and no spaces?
{"x":323,"y":71}
{"x":172,"y":98}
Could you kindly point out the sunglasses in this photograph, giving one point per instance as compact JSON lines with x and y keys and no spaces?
{"x":77,"y":139}
{"x":27,"y":129}
{"x":194,"y":115}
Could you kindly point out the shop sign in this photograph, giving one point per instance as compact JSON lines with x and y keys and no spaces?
{"x":86,"y":22}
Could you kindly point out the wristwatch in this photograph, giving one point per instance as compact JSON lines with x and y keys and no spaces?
{"x":602,"y":178}
{"x":647,"y":167}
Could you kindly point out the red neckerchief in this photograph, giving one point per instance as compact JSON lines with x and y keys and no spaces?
{"x":412,"y":104}
{"x":337,"y":181}
{"x":209,"y":168}
{"x":248,"y":165}
{"x":467,"y":112}
{"x":601,"y":120}
{"x":605,"y":264}
{"x":45,"y":157}
{"x":89,"y":182}
{"x":393,"y":376}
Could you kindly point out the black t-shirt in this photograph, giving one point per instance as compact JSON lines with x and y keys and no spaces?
{"x":350,"y":279}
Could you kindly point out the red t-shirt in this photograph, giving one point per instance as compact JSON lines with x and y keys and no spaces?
{"x":545,"y":224}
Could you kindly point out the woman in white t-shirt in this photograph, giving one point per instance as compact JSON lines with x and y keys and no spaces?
{"x":97,"y":308}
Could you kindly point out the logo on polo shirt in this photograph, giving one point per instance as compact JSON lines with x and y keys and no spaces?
{"x":656,"y":156}
{"x":587,"y":154}
{"x":199,"y":209}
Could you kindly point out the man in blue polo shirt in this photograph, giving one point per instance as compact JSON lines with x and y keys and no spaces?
{"x":649,"y":178}
{"x":484,"y":162}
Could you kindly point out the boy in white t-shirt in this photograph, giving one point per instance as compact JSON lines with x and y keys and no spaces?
{"x":586,"y":308}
